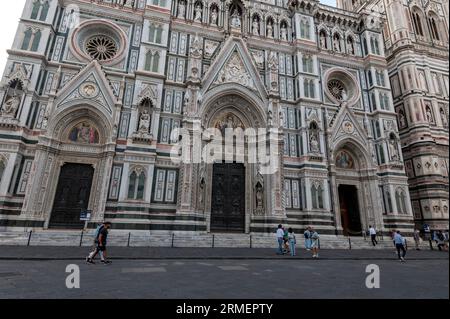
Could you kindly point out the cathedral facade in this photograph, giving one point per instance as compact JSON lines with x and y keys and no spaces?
{"x":114,"y":110}
{"x":416,"y":43}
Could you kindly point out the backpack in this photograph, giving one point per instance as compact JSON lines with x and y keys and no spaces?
{"x":307,"y":234}
{"x":97,"y":232}
{"x":441,"y":237}
{"x":315,"y":236}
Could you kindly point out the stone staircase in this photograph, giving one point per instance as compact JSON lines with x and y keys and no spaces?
{"x":146,"y":239}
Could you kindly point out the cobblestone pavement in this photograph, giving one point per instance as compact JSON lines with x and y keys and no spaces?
{"x":194,"y":279}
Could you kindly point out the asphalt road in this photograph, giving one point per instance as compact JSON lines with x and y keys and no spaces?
{"x":212,"y":279}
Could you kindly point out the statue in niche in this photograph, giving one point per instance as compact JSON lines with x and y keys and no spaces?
{"x":144,"y":122}
{"x":323,"y":40}
{"x":181,"y":9}
{"x":443,"y":118}
{"x":198,"y":13}
{"x":283,"y":33}
{"x":429,"y":115}
{"x":255,"y":26}
{"x":235,"y":19}
{"x":314,"y":143}
{"x":214,"y":16}
{"x":270,"y":29}
{"x":393,"y":151}
{"x":402,"y":119}
{"x":11,"y":105}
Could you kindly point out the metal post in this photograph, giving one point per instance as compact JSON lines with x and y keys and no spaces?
{"x":349,"y":243}
{"x":81,"y":238}
{"x":129,"y":237}
{"x":318,"y":241}
{"x":213,"y":241}
{"x":251,"y":241}
{"x":29,"y":238}
{"x":173,"y":240}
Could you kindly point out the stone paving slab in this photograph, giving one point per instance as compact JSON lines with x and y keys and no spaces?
{"x":74,"y":253}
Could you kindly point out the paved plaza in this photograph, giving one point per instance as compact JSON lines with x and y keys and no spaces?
{"x":227,"y":273}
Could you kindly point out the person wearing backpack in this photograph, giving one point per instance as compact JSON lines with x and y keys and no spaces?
{"x":292,"y":241}
{"x":307,"y":235}
{"x":440,"y":239}
{"x":314,"y":242}
{"x":100,"y":244}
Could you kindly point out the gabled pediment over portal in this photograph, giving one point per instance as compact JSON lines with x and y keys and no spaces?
{"x":89,"y":86}
{"x":234,"y":64}
{"x":346,"y":126}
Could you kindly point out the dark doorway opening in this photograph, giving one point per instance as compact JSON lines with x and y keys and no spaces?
{"x":350,"y":216}
{"x":228,"y":198}
{"x":72,"y":196}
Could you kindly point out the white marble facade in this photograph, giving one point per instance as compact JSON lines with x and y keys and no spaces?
{"x":104,"y":85}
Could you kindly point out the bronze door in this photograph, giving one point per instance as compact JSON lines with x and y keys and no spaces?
{"x":350,"y":217}
{"x":228,"y":198}
{"x":72,"y":196}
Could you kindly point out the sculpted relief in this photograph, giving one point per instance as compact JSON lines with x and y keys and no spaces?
{"x":235,"y":71}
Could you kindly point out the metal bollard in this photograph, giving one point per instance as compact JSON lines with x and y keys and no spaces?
{"x":81,"y":238}
{"x":251,"y":241}
{"x":129,"y":238}
{"x":349,"y":243}
{"x":173,"y":240}
{"x":29,"y":238}
{"x":213,"y":241}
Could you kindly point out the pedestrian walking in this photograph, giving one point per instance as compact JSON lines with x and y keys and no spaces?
{"x":307,"y":235}
{"x":373,"y":235}
{"x":400,"y":244}
{"x":314,"y":243}
{"x":292,"y":241}
{"x":100,"y":244}
{"x":286,"y":241}
{"x":440,"y":239}
{"x":280,"y":236}
{"x":417,"y":238}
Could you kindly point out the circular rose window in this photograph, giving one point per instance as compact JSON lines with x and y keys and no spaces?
{"x":99,"y":40}
{"x":341,"y":86}
{"x":336,"y":88}
{"x":101,"y":48}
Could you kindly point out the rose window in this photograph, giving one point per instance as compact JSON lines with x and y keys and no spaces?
{"x":101,"y":48}
{"x":336,"y":88}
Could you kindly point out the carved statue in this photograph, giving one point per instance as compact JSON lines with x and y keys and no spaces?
{"x":337,"y":45}
{"x":393,"y":150}
{"x":273,"y":61}
{"x":270,"y":29}
{"x":235,"y":19}
{"x":181,"y":9}
{"x":11,"y":105}
{"x":214,"y":16}
{"x":443,"y":118}
{"x":144,"y":122}
{"x":402,"y":119}
{"x":429,"y":115}
{"x":198,"y":13}
{"x":344,"y":96}
{"x":255,"y":26}
{"x":314,"y":144}
{"x":323,"y":41}
{"x":259,"y":199}
{"x":283,"y":34}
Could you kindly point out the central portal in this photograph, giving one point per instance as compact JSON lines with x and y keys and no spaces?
{"x":72,"y":196}
{"x":350,"y":217}
{"x":228,"y":198}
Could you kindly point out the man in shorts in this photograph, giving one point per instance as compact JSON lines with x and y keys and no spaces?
{"x":100,"y":241}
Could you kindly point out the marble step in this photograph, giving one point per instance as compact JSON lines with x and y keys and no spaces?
{"x":146,"y":239}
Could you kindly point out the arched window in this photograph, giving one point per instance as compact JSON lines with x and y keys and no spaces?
{"x":136,"y":185}
{"x":44,"y":11}
{"x":434,"y":27}
{"x":308,"y":64}
{"x":309,"y":88}
{"x":400,"y":199}
{"x":304,"y":29}
{"x":148,"y":61}
{"x":36,"y":41}
{"x":375,"y":45}
{"x":27,"y":39}
{"x":155,"y":65}
{"x":35,"y":9}
{"x":155,"y":33}
{"x":417,"y":21}
{"x":389,"y":201}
